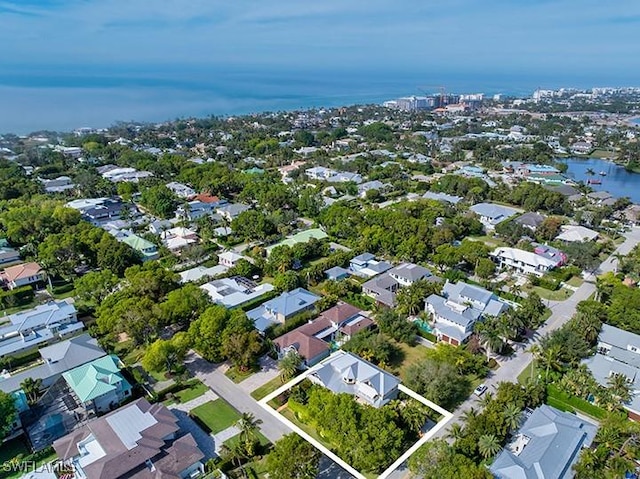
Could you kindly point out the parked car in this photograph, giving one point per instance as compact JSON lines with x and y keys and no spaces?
{"x":480,"y":390}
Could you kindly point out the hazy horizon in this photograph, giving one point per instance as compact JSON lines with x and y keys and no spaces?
{"x":71,"y":63}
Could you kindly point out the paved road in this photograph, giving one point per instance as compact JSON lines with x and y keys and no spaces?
{"x":561,"y":312}
{"x":236,"y":396}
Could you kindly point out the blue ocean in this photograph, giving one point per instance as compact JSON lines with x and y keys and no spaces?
{"x":55,"y":98}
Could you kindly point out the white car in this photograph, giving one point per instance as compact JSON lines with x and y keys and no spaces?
{"x":480,"y":390}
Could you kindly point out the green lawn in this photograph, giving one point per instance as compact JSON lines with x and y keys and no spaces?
{"x":558,"y":295}
{"x":411,"y":355}
{"x":231,"y":442}
{"x":15,"y":447}
{"x":490,"y":240}
{"x":218,"y":415}
{"x":238,"y":376}
{"x":11,"y":449}
{"x":605,"y":154}
{"x":266,"y":389}
{"x":575,"y":281}
{"x":531,"y":371}
{"x":193,"y":389}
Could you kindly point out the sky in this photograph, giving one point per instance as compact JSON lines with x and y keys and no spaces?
{"x":98,"y":55}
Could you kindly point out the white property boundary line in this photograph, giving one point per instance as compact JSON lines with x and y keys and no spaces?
{"x":447,"y":416}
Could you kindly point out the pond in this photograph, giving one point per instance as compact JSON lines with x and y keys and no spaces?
{"x":617,"y":181}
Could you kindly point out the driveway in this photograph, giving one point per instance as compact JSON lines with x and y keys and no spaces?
{"x":205,"y":441}
{"x":235,"y":395}
{"x":268,"y":371}
{"x":561,"y":311}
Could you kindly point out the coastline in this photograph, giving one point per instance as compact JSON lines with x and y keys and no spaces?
{"x":634,"y":121}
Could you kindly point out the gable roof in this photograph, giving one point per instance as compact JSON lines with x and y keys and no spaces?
{"x":494,"y":212}
{"x":555,"y":439}
{"x":291,"y":302}
{"x":410,"y":271}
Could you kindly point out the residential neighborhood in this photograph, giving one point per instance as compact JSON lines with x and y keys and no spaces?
{"x":395,"y":291}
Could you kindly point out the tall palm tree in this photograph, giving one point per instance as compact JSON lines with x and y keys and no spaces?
{"x":489,"y":337}
{"x":512,"y":414}
{"x":456,"y":431}
{"x":469,"y":414}
{"x":488,"y":445}
{"x":550,"y":358}
{"x":620,"y":387}
{"x":289,"y":365}
{"x":31,"y":388}
{"x":486,"y":399}
{"x":248,"y":425}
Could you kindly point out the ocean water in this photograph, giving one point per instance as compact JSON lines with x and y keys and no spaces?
{"x":64,"y":98}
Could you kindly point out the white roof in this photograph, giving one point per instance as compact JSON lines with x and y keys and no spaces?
{"x":573,"y":233}
{"x":523,"y":256}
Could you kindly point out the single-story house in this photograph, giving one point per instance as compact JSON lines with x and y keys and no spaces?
{"x":235,"y":291}
{"x":576,"y":234}
{"x":336,"y":273}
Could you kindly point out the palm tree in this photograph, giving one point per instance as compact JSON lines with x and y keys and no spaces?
{"x":469,"y":414}
{"x":289,"y":365}
{"x":488,"y":445}
{"x":512,"y":415}
{"x":516,"y":289}
{"x":486,"y":399}
{"x":489,"y":337}
{"x":414,"y":415}
{"x":31,"y":388}
{"x":248,"y":426}
{"x":550,"y":358}
{"x":456,"y":431}
{"x":620,"y":387}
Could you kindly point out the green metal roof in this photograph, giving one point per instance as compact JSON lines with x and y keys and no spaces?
{"x":139,"y":244}
{"x":302,"y":237}
{"x":96,"y":378}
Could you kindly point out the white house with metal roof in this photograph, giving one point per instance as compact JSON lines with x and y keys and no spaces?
{"x":491,"y":214}
{"x":343,"y":372}
{"x":461,"y":305}
{"x":235,"y":291}
{"x":525,"y":262}
{"x":283,"y":307}
{"x":36,"y":327}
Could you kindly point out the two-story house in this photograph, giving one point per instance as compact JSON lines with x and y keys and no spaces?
{"x":461,"y":305}
{"x":99,"y":385}
{"x":366,"y":265}
{"x":36,"y":327}
{"x":618,"y":352}
{"x":137,"y":441}
{"x":524,"y":262}
{"x":344,"y":372}
{"x":383,"y":288}
{"x":283,"y":307}
{"x":313,"y":341}
{"x":22,"y":274}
